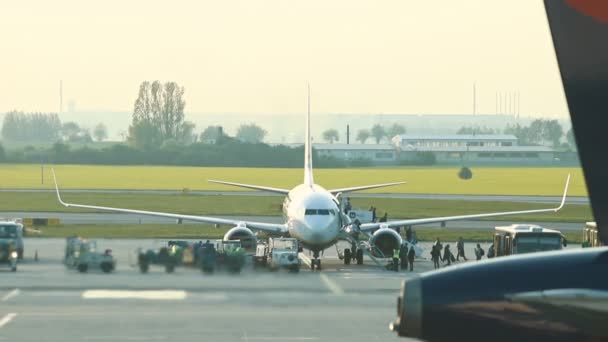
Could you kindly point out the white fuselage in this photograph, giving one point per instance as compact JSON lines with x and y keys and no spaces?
{"x":312,"y":215}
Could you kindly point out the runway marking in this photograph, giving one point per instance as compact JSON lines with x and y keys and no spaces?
{"x":331,"y":285}
{"x":148,"y":295}
{"x":127,"y":338}
{"x":278,"y":338}
{"x":6,"y":319}
{"x":10,"y":295}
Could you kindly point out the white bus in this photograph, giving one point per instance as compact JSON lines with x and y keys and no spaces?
{"x":526,"y":238}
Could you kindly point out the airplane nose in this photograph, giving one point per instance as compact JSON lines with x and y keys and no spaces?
{"x":318,"y":229}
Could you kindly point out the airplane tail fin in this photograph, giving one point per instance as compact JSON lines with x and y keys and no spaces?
{"x":308,"y":178}
{"x":579,"y":29}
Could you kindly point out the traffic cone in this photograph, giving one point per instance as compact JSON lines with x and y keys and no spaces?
{"x":36,"y":256}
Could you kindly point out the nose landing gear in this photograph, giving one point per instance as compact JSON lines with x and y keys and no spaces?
{"x":316,"y":262}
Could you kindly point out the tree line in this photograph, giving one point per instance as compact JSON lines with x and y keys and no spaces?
{"x":538,"y":132}
{"x":19,"y":127}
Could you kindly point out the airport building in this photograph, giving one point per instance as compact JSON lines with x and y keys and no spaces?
{"x":451,"y":149}
{"x":480,"y":149}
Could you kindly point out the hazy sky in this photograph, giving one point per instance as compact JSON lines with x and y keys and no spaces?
{"x":256,"y":56}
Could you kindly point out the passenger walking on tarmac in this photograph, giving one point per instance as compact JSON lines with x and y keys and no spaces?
{"x":460,"y":249}
{"x":384,"y":218}
{"x":396,"y":259}
{"x":439,"y":247}
{"x":479,"y":252}
{"x":403,"y":256}
{"x":408,"y":233}
{"x":410,"y":257}
{"x":436,"y":255}
{"x":447,"y":255}
{"x":491,"y":251}
{"x":347,"y":205}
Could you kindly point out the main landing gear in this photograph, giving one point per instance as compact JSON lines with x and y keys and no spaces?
{"x":315,"y":263}
{"x":353,"y":253}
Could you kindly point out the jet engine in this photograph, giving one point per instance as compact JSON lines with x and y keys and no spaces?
{"x":383,"y":241}
{"x":248,"y":238}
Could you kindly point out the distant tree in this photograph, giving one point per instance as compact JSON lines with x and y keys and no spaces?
{"x":363,"y":135}
{"x":536,"y":131}
{"x":187,"y":135}
{"x":100,"y":132}
{"x":331,"y":135}
{"x":2,"y":154}
{"x":395,"y":129}
{"x":570,"y":139}
{"x":31,"y":127}
{"x":378,"y":132}
{"x":553,"y":132}
{"x":158,"y":114}
{"x":251,"y":133}
{"x":70,"y":130}
{"x":211,"y":134}
{"x":475,"y":130}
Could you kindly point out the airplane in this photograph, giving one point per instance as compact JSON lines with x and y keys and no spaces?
{"x":313,"y":216}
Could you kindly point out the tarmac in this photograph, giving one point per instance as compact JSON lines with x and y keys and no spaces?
{"x":44,"y":301}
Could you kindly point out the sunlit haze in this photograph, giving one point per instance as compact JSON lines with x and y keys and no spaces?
{"x":257,"y":56}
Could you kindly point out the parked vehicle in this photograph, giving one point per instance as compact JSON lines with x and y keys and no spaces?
{"x":81,"y":254}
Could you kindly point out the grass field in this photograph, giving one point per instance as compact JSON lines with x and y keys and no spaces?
{"x":436,"y":180}
{"x":270,"y":206}
{"x":205,"y":231}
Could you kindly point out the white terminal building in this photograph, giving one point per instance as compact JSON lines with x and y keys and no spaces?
{"x":480,"y":149}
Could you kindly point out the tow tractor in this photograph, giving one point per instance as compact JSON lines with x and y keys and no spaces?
{"x":278,"y":253}
{"x":81,"y":254}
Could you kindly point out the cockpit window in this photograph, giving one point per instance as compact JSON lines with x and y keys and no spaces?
{"x":320,"y":212}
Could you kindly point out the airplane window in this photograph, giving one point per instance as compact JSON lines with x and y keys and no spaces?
{"x":311,"y":212}
{"x":323,"y":211}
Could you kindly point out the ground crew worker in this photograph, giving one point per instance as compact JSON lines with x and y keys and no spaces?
{"x":435,"y":255}
{"x":479,"y":252}
{"x":410,"y":257}
{"x":403,"y":256}
{"x":396,"y":259}
{"x":460,"y":249}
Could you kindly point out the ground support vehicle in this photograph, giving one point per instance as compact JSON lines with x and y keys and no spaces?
{"x":278,"y":253}
{"x":230,"y":255}
{"x":169,"y":257}
{"x":81,"y":254}
{"x":8,"y":254}
{"x":12,"y":230}
{"x":591,"y":235}
{"x":526,"y":238}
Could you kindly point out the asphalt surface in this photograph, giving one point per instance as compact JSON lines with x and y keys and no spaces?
{"x":117,"y":218}
{"x":44,"y":301}
{"x":502,"y":198}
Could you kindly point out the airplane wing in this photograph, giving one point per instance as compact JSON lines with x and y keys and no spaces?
{"x":364,"y":187}
{"x":250,"y":186}
{"x":410,"y":222}
{"x":268,"y":227}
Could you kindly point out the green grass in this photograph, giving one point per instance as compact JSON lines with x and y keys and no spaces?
{"x":188,"y":231}
{"x":432,"y":180}
{"x":270,"y":205}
